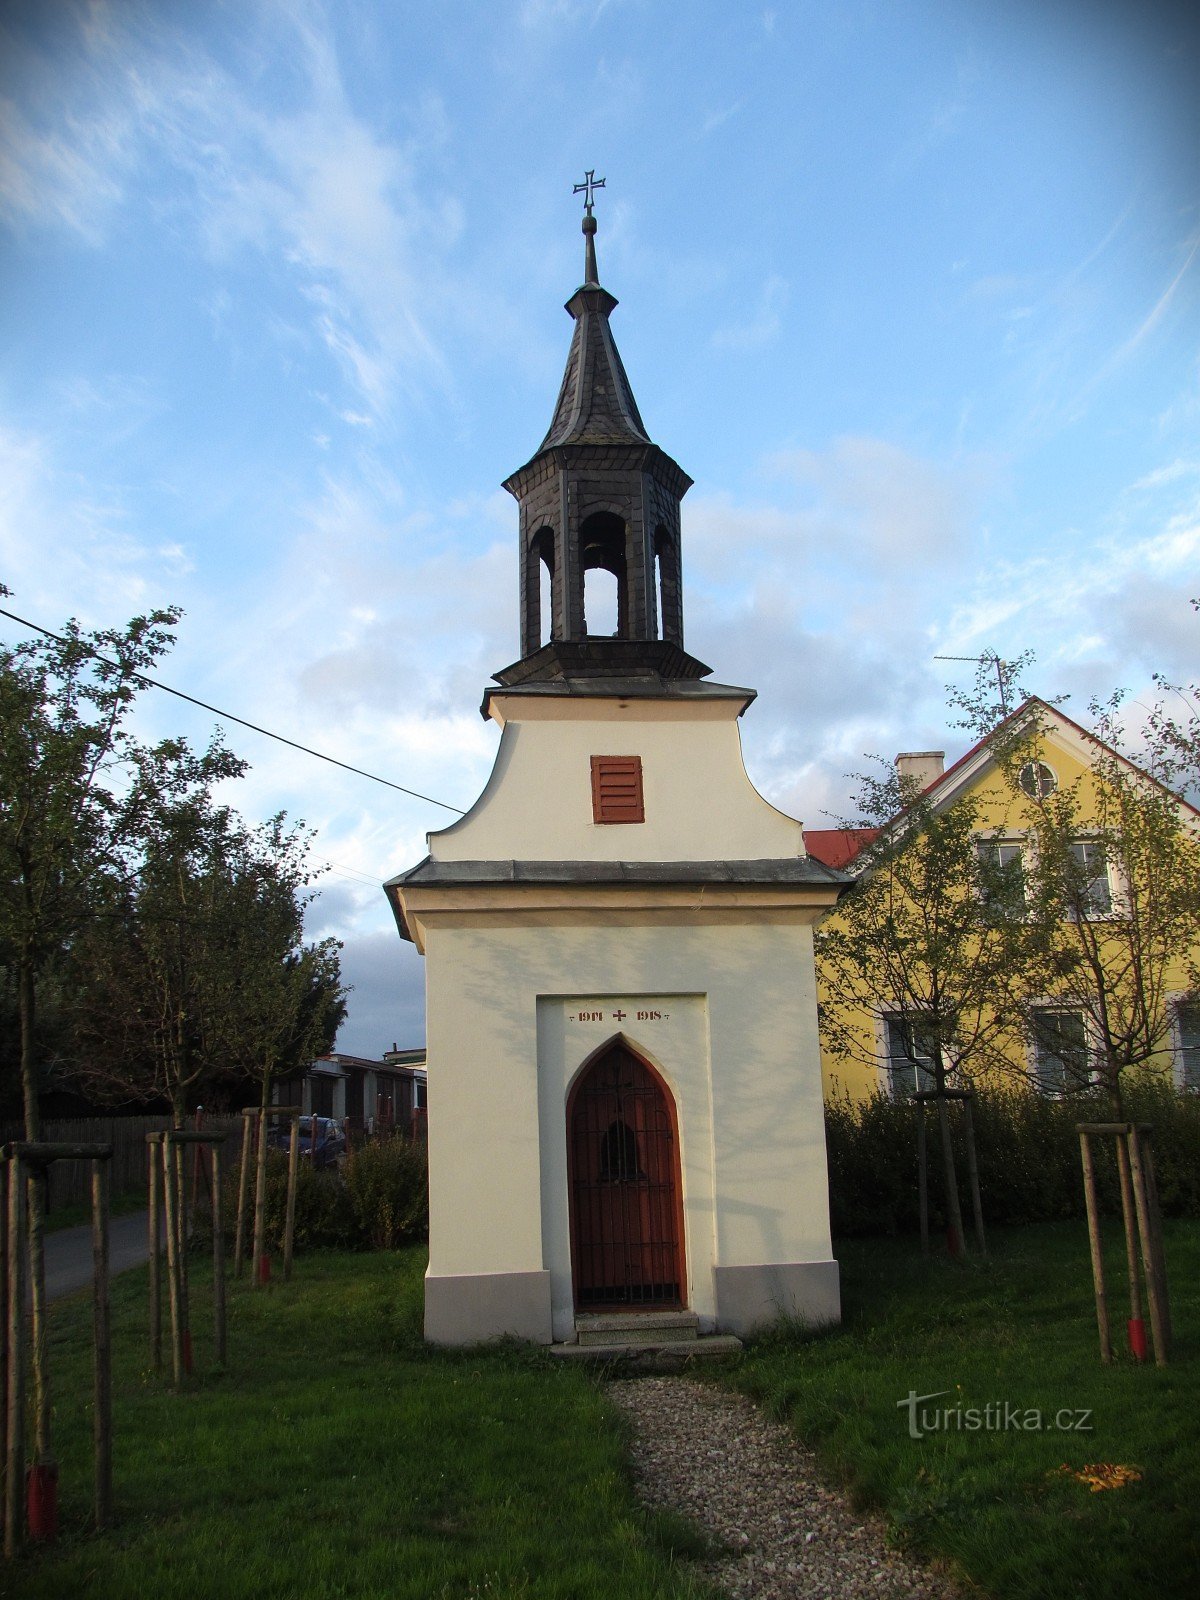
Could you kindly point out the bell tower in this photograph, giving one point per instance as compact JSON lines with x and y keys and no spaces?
{"x":599,"y":493}
{"x":625,"y":1117}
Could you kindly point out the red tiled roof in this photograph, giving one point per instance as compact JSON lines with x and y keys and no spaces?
{"x":837,"y":847}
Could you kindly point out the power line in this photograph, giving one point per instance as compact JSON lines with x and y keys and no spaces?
{"x":228,"y":716}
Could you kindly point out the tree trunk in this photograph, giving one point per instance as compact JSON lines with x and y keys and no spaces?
{"x":260,"y":1187}
{"x":36,"y":1192}
{"x":27,"y":1001}
{"x":958,"y":1243}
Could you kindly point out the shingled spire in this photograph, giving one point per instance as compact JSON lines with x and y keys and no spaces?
{"x":599,"y":493}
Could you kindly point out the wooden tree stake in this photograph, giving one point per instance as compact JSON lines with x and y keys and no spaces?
{"x":289,"y":1234}
{"x":1093,"y":1221}
{"x":248,"y":1115}
{"x":218,"y":1230}
{"x":260,"y":1201}
{"x":1127,"y":1217}
{"x":1146,"y":1232}
{"x":923,"y":1177}
{"x":182,"y":1266}
{"x":171,"y":1194}
{"x":39,"y":1190}
{"x":1160,"y":1260}
{"x":102,"y":1418}
{"x":14,"y":1484}
{"x":154,"y":1165}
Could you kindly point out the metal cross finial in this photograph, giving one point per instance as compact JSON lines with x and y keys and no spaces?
{"x":588,"y":188}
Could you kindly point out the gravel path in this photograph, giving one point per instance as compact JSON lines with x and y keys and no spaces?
{"x":712,"y":1456}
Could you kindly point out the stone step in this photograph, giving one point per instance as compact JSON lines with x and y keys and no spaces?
{"x":637,"y":1328}
{"x":671,"y":1355}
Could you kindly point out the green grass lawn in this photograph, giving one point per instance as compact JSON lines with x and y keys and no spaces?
{"x":339,"y":1457}
{"x":1020,"y":1330}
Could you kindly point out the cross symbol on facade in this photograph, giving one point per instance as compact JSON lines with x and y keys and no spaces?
{"x":619,"y":1016}
{"x":588,"y":188}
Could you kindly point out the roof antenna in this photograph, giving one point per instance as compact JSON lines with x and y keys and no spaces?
{"x":1001,"y":667}
{"x":588,"y":189}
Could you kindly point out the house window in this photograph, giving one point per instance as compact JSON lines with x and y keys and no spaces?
{"x":910,"y":1059}
{"x":1003,"y":872}
{"x":1037,"y":780}
{"x":1060,"y":1049}
{"x":1091,"y":883}
{"x":1187,"y":1027}
{"x":617,"y":789}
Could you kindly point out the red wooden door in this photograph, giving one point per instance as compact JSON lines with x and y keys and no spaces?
{"x":623,"y":1173}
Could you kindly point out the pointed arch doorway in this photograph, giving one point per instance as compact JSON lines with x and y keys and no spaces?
{"x":624,"y":1186}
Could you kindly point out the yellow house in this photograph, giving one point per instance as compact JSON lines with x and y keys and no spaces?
{"x":1120,"y":987}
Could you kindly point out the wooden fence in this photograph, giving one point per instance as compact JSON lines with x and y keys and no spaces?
{"x":70,"y":1180}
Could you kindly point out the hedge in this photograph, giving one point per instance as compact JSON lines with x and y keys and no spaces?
{"x":1028,"y":1150}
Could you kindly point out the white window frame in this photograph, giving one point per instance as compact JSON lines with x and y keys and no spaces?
{"x":1179,"y":1064}
{"x":1037,"y":761}
{"x":1003,"y":839}
{"x":1096,"y":913}
{"x":1051,"y":1003}
{"x":884,"y":1019}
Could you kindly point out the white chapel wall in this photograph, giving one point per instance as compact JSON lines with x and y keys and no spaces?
{"x":740,"y":1051}
{"x":700,"y":803}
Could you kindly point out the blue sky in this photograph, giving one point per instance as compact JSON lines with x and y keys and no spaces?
{"x":911,"y":291}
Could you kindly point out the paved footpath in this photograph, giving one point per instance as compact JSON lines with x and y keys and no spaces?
{"x":69,"y":1252}
{"x":780,"y":1532}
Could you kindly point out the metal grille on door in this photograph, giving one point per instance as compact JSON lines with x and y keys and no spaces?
{"x":624,"y":1178}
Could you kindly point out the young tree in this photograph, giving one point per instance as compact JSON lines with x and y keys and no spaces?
{"x":64,"y":708}
{"x":1113,"y":887}
{"x":1171,"y":735}
{"x":285,"y":998}
{"x":929,"y":937}
{"x":150,"y":966}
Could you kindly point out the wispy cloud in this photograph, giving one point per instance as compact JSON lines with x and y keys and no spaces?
{"x":350,"y":214}
{"x":1156,"y":313}
{"x":65,"y":148}
{"x":535,"y":14}
{"x":764,"y":323}
{"x":66,"y":538}
{"x":718,"y":118}
{"x":888,"y":504}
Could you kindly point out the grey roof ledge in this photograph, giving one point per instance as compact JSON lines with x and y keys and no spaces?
{"x":773,"y":872}
{"x":608,"y":658}
{"x":632,"y":688}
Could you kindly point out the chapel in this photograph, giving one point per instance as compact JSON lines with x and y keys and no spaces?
{"x":625,"y":1116}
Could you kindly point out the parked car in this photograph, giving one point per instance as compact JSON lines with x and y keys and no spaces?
{"x":330,"y":1142}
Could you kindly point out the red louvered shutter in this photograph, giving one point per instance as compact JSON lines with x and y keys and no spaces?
{"x":617,"y":789}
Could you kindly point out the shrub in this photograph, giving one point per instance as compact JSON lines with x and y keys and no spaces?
{"x":378,"y":1200}
{"x":388,"y":1186}
{"x":1028,"y":1151}
{"x":324,"y":1215}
